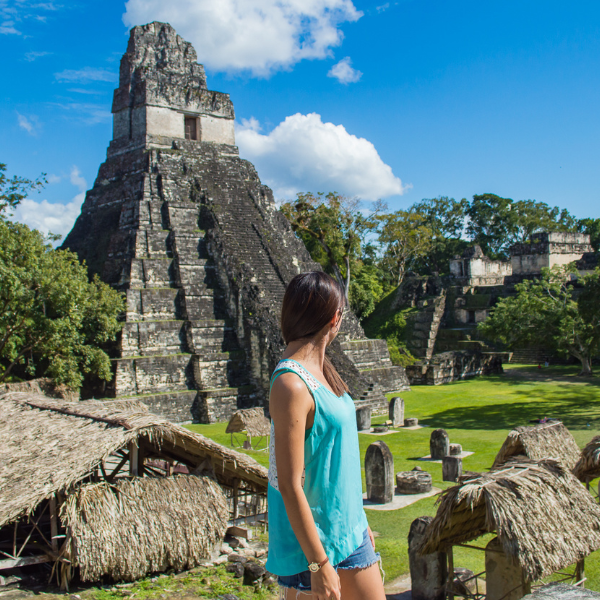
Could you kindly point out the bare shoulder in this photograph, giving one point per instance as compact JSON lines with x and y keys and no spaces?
{"x":289,"y":393}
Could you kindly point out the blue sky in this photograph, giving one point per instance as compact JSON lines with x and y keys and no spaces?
{"x":403,"y":100}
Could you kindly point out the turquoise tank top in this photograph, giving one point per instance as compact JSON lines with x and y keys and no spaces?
{"x":332,"y":481}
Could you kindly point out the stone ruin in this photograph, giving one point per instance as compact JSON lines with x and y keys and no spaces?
{"x":379,"y":473}
{"x":184,"y":227}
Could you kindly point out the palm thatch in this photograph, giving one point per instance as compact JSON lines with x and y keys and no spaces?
{"x":588,"y":465}
{"x":50,"y":445}
{"x":542,"y":515}
{"x":145,"y":525}
{"x":550,"y":440}
{"x":250,"y":420}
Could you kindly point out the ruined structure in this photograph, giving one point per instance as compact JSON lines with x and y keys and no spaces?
{"x":475,"y":268}
{"x":185,"y":228}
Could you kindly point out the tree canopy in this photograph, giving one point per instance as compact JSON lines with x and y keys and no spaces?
{"x":53,"y":320}
{"x":548,"y":312}
{"x":15,"y":189}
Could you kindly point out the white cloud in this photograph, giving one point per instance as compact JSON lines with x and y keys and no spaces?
{"x":8,"y":27}
{"x":54,"y":179}
{"x":49,"y":217}
{"x":86,"y":74}
{"x":344,"y":72}
{"x":31,"y":56}
{"x":53,"y":217}
{"x":29,"y":124}
{"x":260,"y":36}
{"x":77,"y":180}
{"x":304,"y":154}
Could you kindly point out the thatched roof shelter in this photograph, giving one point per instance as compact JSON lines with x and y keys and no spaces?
{"x":110,"y":535}
{"x":250,"y":420}
{"x":548,"y":440}
{"x":588,"y":465}
{"x":542,"y":515}
{"x":51,"y":448}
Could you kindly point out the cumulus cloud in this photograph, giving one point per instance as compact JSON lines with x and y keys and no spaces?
{"x":86,"y":74}
{"x":304,"y":154}
{"x":29,"y":124}
{"x":53,"y":217}
{"x":260,"y":36}
{"x":344,"y":72}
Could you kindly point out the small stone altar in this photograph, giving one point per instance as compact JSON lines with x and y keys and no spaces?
{"x":416,"y":481}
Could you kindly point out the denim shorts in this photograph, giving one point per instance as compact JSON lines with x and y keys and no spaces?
{"x":364,"y":556}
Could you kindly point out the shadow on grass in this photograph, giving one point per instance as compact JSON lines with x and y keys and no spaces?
{"x":576,"y":407}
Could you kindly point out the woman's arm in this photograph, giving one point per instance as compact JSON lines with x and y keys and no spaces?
{"x":292,"y":409}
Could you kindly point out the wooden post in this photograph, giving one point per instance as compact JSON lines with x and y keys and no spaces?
{"x":141,"y":458}
{"x":235,"y":498}
{"x":53,"y":524}
{"x":580,"y":571}
{"x":133,"y":459}
{"x":450,"y":584}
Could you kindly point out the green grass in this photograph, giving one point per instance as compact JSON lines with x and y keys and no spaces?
{"x":478,"y":414}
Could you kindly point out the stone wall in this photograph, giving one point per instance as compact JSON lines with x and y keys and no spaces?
{"x":454,"y":366}
{"x":188,"y":232}
{"x":474,"y":268}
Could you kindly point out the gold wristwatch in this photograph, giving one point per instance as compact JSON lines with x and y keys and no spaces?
{"x":313,"y":567}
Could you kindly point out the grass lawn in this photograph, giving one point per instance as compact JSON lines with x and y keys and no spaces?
{"x":477,"y":414}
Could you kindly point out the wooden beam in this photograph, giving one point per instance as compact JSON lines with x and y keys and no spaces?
{"x":133,"y":459}
{"x":450,"y":583}
{"x":23,"y":562}
{"x":54,"y":522}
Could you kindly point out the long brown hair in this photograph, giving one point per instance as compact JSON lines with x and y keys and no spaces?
{"x":310,"y":302}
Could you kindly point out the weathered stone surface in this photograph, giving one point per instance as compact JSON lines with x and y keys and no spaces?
{"x":363,"y":418}
{"x":253,"y":572}
{"x":379,"y":473}
{"x":428,"y":573}
{"x":439,"y":444}
{"x":187,"y":231}
{"x":396,"y":411}
{"x":455,"y":450}
{"x":236,"y":568}
{"x":451,"y":468}
{"x":413,"y":482}
{"x":503,"y":575}
{"x":464,"y":581}
{"x":411,"y":422}
{"x":562,"y":591}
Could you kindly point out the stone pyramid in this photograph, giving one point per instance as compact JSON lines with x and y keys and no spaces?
{"x":185,"y":228}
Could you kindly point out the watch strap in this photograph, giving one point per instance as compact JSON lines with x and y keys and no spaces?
{"x":314,"y":566}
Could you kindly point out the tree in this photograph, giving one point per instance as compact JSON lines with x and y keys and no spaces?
{"x":445,"y":217}
{"x":53,"y":320}
{"x":547,"y":313}
{"x":333,"y":229}
{"x":404,"y":237}
{"x":15,"y":189}
{"x":497,"y":223}
{"x":592,"y":228}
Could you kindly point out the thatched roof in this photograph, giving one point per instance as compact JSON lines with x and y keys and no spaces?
{"x":250,"y":420}
{"x":549,"y":440}
{"x":588,"y":465}
{"x":49,"y":445}
{"x":542,"y":515}
{"x":145,"y":525}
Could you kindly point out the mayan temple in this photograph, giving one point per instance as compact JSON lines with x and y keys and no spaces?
{"x":185,"y":228}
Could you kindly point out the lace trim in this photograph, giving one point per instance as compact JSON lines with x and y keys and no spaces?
{"x":310,"y":381}
{"x":313,"y":384}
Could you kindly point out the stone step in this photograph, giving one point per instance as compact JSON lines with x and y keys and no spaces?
{"x":228,"y":372}
{"x":151,"y":244}
{"x":153,"y":304}
{"x":153,"y":374}
{"x":367,"y":354}
{"x":153,"y":337}
{"x":219,"y":404}
{"x":151,"y":273}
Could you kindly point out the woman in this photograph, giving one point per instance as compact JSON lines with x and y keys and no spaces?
{"x":320,"y":544}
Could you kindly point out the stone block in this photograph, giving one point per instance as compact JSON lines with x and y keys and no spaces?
{"x":451,"y":468}
{"x":439,"y":444}
{"x":429,"y":572}
{"x":413,"y":482}
{"x":411,"y":422}
{"x":363,"y":418}
{"x":455,"y":450}
{"x":379,"y":473}
{"x":503,"y":574}
{"x":396,"y":411}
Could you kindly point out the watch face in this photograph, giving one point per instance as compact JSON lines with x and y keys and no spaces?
{"x":314,"y":567}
